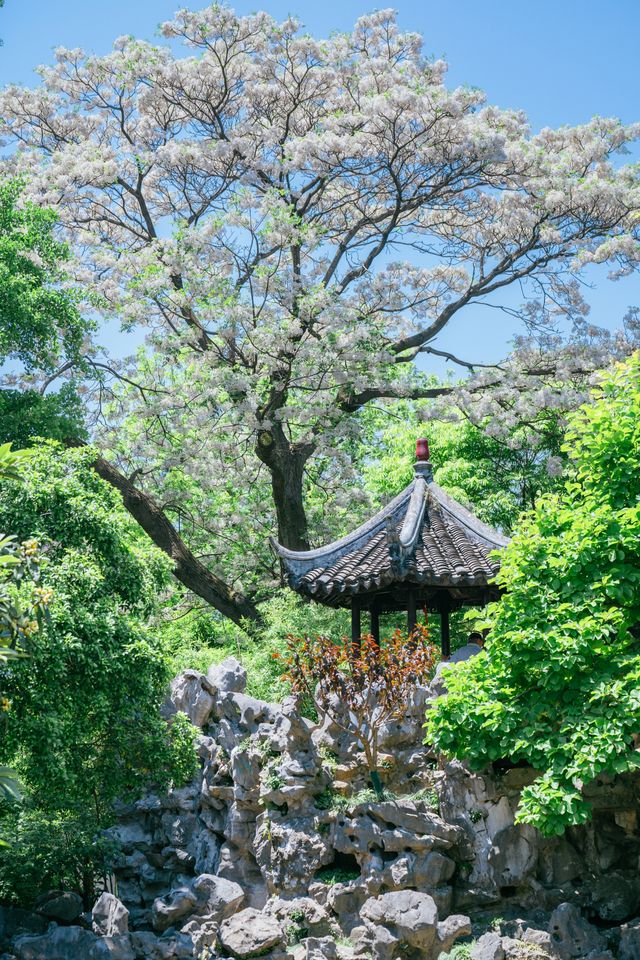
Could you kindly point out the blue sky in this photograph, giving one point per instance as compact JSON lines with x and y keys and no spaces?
{"x":562,"y":61}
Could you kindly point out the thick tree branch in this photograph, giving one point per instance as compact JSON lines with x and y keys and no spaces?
{"x":188,"y":569}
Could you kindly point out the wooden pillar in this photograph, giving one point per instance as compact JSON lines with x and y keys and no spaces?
{"x":375,"y":623}
{"x":444,"y":633}
{"x":412,"y":618}
{"x":356,"y":627}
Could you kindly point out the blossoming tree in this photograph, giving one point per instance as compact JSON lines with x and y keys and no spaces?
{"x":294,"y":222}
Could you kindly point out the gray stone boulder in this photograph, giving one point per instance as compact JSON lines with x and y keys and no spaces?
{"x":488,"y":947}
{"x":412,"y":916}
{"x":179,"y":903}
{"x":72,"y":943}
{"x":228,"y":676}
{"x":303,"y":916}
{"x":630,"y":940}
{"x":63,"y":906}
{"x":250,"y":933}
{"x":513,"y":854}
{"x":217,"y":898}
{"x":148,"y":946}
{"x":110,"y":917}
{"x":191,"y":693}
{"x":14,"y":922}
{"x":407,"y":918}
{"x":572,"y":936}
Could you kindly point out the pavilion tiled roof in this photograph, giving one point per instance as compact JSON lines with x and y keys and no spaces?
{"x":423,"y":538}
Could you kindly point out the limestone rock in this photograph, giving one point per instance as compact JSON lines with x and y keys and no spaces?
{"x":571,"y":935}
{"x":110,"y":917}
{"x":180,"y":902}
{"x":60,"y":905}
{"x":630,"y":940}
{"x":72,"y":943}
{"x":191,"y":693}
{"x":306,"y":916}
{"x":14,"y":922}
{"x":412,"y":916}
{"x":250,"y":933}
{"x":217,"y":898}
{"x":228,"y":676}
{"x":488,"y":947}
{"x":148,"y":946}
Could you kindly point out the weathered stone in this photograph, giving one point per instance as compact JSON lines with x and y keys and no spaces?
{"x":513,"y":855}
{"x":571,"y":935}
{"x":191,"y":693}
{"x":315,"y":948}
{"x":310,"y":919}
{"x":250,"y":933}
{"x":228,"y":676}
{"x":449,"y":930}
{"x":412,"y":916}
{"x":615,"y":896}
{"x":179,"y":903}
{"x":488,"y":947}
{"x":148,"y":946}
{"x":14,"y":922}
{"x":110,"y":917}
{"x":630,"y":941}
{"x":60,"y":905}
{"x":72,"y":943}
{"x":217,"y":898}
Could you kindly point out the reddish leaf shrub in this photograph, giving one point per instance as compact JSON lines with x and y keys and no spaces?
{"x":360,"y":686}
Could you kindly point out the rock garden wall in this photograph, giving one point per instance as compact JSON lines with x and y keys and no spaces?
{"x":277,"y":848}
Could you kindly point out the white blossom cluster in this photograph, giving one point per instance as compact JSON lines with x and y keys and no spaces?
{"x":250,"y":205}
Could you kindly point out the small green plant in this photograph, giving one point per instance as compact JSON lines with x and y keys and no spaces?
{"x":475,"y":815}
{"x":329,"y":758}
{"x":326,"y":800}
{"x":270,"y":775}
{"x":296,"y":928}
{"x":333,"y":875}
{"x":427,"y":796}
{"x":461,"y":951}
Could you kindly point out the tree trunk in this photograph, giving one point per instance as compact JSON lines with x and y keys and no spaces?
{"x":188,"y":569}
{"x":286,"y":463}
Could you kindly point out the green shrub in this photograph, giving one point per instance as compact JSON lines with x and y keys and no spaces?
{"x":559,"y":683}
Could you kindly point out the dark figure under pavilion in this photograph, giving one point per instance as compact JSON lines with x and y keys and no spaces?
{"x":422,"y":551}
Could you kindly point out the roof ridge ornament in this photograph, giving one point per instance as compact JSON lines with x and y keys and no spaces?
{"x":423,"y":466}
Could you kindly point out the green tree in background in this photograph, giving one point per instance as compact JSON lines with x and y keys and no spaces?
{"x":83,"y":727}
{"x":496,"y":478}
{"x":22,"y":600}
{"x":41,"y":325}
{"x":559,"y":684}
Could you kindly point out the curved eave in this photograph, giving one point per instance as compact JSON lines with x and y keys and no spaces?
{"x":299,"y":562}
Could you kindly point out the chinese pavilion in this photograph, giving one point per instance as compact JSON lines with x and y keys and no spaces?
{"x":423,"y":550}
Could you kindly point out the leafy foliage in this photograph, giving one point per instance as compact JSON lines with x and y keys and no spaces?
{"x":27,"y":414}
{"x":497,"y":478}
{"x":360,"y":685}
{"x":558,"y":686}
{"x":84,"y":728}
{"x":51,"y":851}
{"x":40,"y":324}
{"x":22,"y":601}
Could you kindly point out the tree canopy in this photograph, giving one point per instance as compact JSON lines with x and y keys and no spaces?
{"x":558,"y":684}
{"x":294,"y":222}
{"x":82,"y":724}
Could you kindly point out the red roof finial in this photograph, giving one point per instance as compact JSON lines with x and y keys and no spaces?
{"x":422,"y":449}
